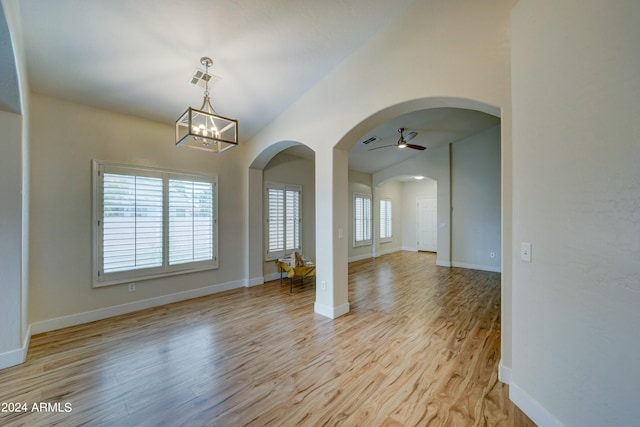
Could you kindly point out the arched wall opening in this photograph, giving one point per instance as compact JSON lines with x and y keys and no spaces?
{"x":284,"y":163}
{"x":435,"y":163}
{"x":333,"y":197}
{"x":468,"y":173}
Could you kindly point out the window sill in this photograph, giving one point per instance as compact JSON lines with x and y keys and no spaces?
{"x":130,"y":279}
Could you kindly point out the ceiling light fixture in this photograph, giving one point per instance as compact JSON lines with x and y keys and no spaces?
{"x":204,"y":129}
{"x":418,"y":177}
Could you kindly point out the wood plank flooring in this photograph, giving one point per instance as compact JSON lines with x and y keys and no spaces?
{"x":420,"y":347}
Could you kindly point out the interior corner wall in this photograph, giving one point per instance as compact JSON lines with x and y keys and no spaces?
{"x":475,"y":200}
{"x":11,"y":232}
{"x":287,"y":169}
{"x":576,"y":199}
{"x":14,"y":189}
{"x":359,"y":182}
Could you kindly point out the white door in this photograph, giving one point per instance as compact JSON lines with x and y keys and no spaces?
{"x":427,"y":224}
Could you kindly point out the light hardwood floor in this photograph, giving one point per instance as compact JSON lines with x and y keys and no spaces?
{"x":420,"y":347}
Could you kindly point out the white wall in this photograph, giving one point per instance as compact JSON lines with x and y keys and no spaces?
{"x":475,"y":199}
{"x":65,"y":138}
{"x":411,"y":190}
{"x":576,"y":199}
{"x":287,"y":169}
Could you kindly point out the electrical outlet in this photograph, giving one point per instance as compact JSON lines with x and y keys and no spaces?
{"x":132,"y":287}
{"x":323,"y":285}
{"x":492,"y":254}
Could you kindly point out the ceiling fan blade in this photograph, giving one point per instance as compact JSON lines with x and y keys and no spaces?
{"x":377,"y":148}
{"x":408,"y":137}
{"x":416,"y":147}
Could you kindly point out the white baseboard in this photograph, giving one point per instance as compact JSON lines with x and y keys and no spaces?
{"x":475,"y":266}
{"x":504,"y":373}
{"x":104,"y":313}
{"x":17,"y":356}
{"x":388,"y":251}
{"x":256,"y":281}
{"x":273,"y":276}
{"x":12,"y":358}
{"x":443,"y":263}
{"x":331,"y":312}
{"x":410,"y":249}
{"x":532,"y":407}
{"x":360,"y":257}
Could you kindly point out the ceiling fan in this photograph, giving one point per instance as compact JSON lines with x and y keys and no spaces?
{"x":403,"y":141}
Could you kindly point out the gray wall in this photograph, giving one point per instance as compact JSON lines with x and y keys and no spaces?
{"x":66,"y":139}
{"x":475,"y":196}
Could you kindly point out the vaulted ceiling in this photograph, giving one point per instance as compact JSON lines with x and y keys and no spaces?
{"x":138,"y":56}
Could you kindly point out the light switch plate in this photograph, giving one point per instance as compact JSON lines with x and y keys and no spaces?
{"x":525,"y":251}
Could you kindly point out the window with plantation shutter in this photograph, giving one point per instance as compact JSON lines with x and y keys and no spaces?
{"x":292,"y":221}
{"x":132,"y":222}
{"x":386,"y":224}
{"x":151,"y":223}
{"x":283,"y":222}
{"x":190,"y":221}
{"x":275,"y":220}
{"x":361,"y":219}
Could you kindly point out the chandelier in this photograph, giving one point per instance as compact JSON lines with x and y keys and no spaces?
{"x":204,"y":129}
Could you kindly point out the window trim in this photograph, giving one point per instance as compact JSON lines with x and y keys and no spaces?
{"x":99,"y":279}
{"x":364,"y":242}
{"x":389,"y":226}
{"x":270,"y":256}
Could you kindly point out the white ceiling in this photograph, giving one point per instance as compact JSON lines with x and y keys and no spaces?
{"x":137,"y":57}
{"x":435,"y":127}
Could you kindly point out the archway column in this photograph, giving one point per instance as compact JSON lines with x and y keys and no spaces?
{"x":332,"y":298}
{"x":255,"y":232}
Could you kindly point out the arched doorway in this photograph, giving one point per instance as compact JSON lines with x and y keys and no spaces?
{"x":286,"y":164}
{"x":332,"y":195}
{"x":463,"y":140}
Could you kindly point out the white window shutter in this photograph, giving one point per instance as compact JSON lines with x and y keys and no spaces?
{"x":386,"y":223}
{"x":362,"y":219}
{"x":151,"y":223}
{"x":132,"y":222}
{"x":190,"y":221}
{"x":284,"y":222}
